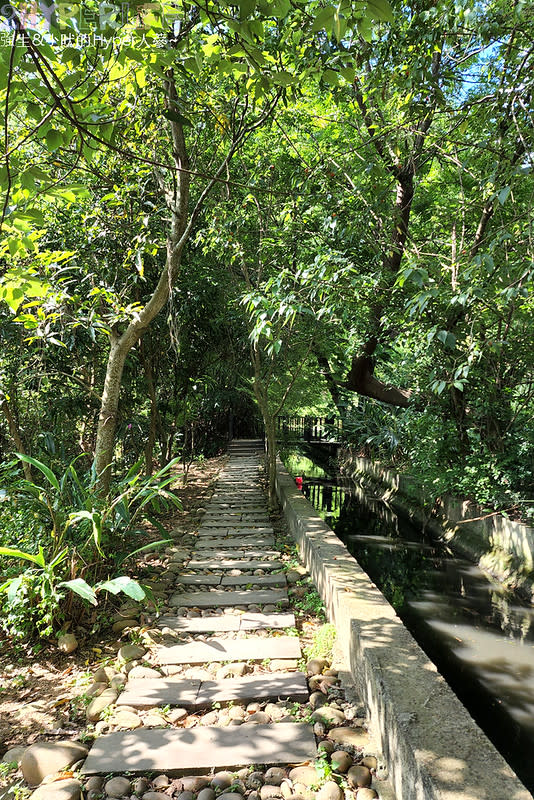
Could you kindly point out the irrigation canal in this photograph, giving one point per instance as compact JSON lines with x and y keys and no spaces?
{"x":480,"y":637}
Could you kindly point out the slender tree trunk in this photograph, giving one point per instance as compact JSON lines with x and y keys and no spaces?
{"x":269,"y":423}
{"x":270,"y":433}
{"x":107,"y":419}
{"x":331,"y":384}
{"x":153,"y":420}
{"x":182,"y":221}
{"x":360,"y":378}
{"x":16,"y":435}
{"x":177,"y":200}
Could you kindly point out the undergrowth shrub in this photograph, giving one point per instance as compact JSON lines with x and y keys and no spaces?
{"x":70,"y":540}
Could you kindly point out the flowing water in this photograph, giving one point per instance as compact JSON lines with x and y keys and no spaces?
{"x":480,"y":637}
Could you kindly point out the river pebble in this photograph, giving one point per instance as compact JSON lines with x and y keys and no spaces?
{"x":117,"y":787}
{"x":359,"y":776}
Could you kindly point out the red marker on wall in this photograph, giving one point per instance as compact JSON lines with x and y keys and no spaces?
{"x":298,"y":481}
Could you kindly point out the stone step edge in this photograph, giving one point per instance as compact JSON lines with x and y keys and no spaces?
{"x":183,"y":751}
{"x":226,"y":623}
{"x":186,"y":693}
{"x":280,"y":648}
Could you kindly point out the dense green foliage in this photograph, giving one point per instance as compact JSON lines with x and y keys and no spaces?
{"x":331,"y":204}
{"x":73,"y":539}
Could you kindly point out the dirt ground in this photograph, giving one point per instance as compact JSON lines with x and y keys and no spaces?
{"x":39,"y":691}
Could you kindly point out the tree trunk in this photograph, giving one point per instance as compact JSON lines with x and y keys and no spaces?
{"x":360,"y":379}
{"x":269,"y":423}
{"x":270,"y":433}
{"x":177,"y":200}
{"x":153,"y":421}
{"x":16,"y":435}
{"x":107,"y":419}
{"x":331,"y":384}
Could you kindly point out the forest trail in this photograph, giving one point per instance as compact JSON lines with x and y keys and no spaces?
{"x":234,"y":581}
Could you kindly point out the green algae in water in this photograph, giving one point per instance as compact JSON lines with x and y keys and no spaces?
{"x":298,"y":465}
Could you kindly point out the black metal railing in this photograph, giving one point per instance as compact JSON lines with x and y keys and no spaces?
{"x":310,"y":429}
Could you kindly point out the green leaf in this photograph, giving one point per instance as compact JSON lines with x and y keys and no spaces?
{"x":175,"y":116}
{"x":13,"y":552}
{"x":283,"y":78}
{"x":147,"y":547}
{"x":246,"y":8}
{"x":324,"y":19}
{"x":365,"y":28}
{"x":504,"y":194}
{"x":58,"y":559}
{"x":54,"y":139}
{"x":13,"y":589}
{"x":447,"y":338}
{"x":49,"y":475}
{"x":123,"y":584}
{"x":349,"y":73}
{"x":330,"y":77}
{"x":34,"y":111}
{"x":95,"y":519}
{"x":379,"y":9}
{"x":14,"y":246}
{"x":340,"y":26}
{"x":81,"y":588}
{"x":280,"y":8}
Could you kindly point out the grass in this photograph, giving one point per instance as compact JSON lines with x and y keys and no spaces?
{"x":322,"y":644}
{"x":311,"y":603}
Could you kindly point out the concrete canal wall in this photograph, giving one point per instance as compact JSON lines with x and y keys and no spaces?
{"x":433,"y":748}
{"x":502,"y":547}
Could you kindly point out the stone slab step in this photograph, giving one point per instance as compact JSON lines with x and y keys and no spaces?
{"x":237,"y":483}
{"x":241,"y":505}
{"x":233,"y":563}
{"x":176,"y":752}
{"x":238,"y":497}
{"x":252,"y":688}
{"x":199,"y":580}
{"x":234,"y":531}
{"x":246,"y":476}
{"x":232,"y":552}
{"x":222,"y":599}
{"x":247,"y":621}
{"x":151,"y":692}
{"x":237,"y":525}
{"x":243,"y":492}
{"x":221,"y":541}
{"x":225,"y":513}
{"x":232,"y":580}
{"x":280,"y":647}
{"x":254,"y":580}
{"x":246,"y":469}
{"x":231,"y":530}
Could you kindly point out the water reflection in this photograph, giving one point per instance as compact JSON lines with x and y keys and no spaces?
{"x":480,"y":636}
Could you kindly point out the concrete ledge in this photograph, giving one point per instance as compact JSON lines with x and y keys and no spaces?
{"x":433,"y":748}
{"x":499,"y":545}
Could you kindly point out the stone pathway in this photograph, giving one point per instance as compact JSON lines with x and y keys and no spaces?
{"x":254,"y":594}
{"x":217,"y":685}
